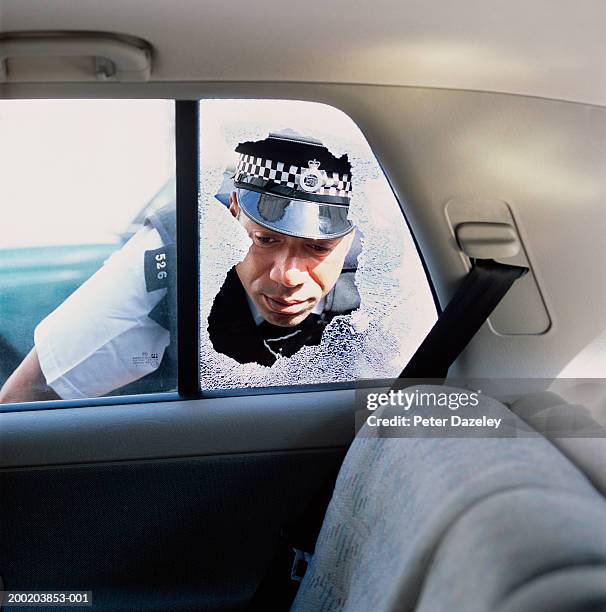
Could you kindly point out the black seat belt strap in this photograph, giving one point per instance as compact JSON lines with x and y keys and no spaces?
{"x":279,"y":586}
{"x":479,"y":294}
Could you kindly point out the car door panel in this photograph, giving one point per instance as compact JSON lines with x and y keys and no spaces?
{"x":173,"y":506}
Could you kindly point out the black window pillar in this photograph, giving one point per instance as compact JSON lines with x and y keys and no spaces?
{"x":187,"y":135}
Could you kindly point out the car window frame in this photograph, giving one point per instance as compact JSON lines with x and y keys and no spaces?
{"x":187,"y":172}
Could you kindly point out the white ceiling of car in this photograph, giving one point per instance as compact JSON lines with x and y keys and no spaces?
{"x":547,"y":48}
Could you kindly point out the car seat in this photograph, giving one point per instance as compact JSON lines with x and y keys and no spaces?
{"x":450,"y":523}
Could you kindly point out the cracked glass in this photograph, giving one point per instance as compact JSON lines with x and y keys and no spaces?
{"x":396,"y":308}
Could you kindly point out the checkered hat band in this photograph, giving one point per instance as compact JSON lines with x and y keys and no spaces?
{"x":290,"y":176}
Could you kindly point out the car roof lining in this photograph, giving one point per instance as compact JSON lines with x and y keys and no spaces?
{"x":513,"y":48}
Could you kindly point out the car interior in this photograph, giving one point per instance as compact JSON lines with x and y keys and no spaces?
{"x":488,"y":122}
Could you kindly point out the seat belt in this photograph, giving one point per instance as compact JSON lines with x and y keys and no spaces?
{"x":281,"y":581}
{"x":478,"y":295}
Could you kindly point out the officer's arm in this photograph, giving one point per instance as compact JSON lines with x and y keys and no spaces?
{"x":27,"y":383}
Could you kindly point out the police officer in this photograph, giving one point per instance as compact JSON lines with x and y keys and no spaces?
{"x":292,"y":197}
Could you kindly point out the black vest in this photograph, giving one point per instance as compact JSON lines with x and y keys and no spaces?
{"x":231,"y":326}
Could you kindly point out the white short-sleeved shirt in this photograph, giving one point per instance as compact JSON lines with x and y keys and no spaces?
{"x":101,"y":337}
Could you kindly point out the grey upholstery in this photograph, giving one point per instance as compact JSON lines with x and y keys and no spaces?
{"x":574,"y":429}
{"x":438,"y":523}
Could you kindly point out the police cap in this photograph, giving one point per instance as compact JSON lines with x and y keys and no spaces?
{"x":295,"y":186}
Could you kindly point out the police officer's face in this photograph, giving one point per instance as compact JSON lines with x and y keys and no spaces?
{"x":285,"y":276}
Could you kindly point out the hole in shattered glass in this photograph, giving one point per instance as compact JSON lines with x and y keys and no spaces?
{"x":396,"y":309}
